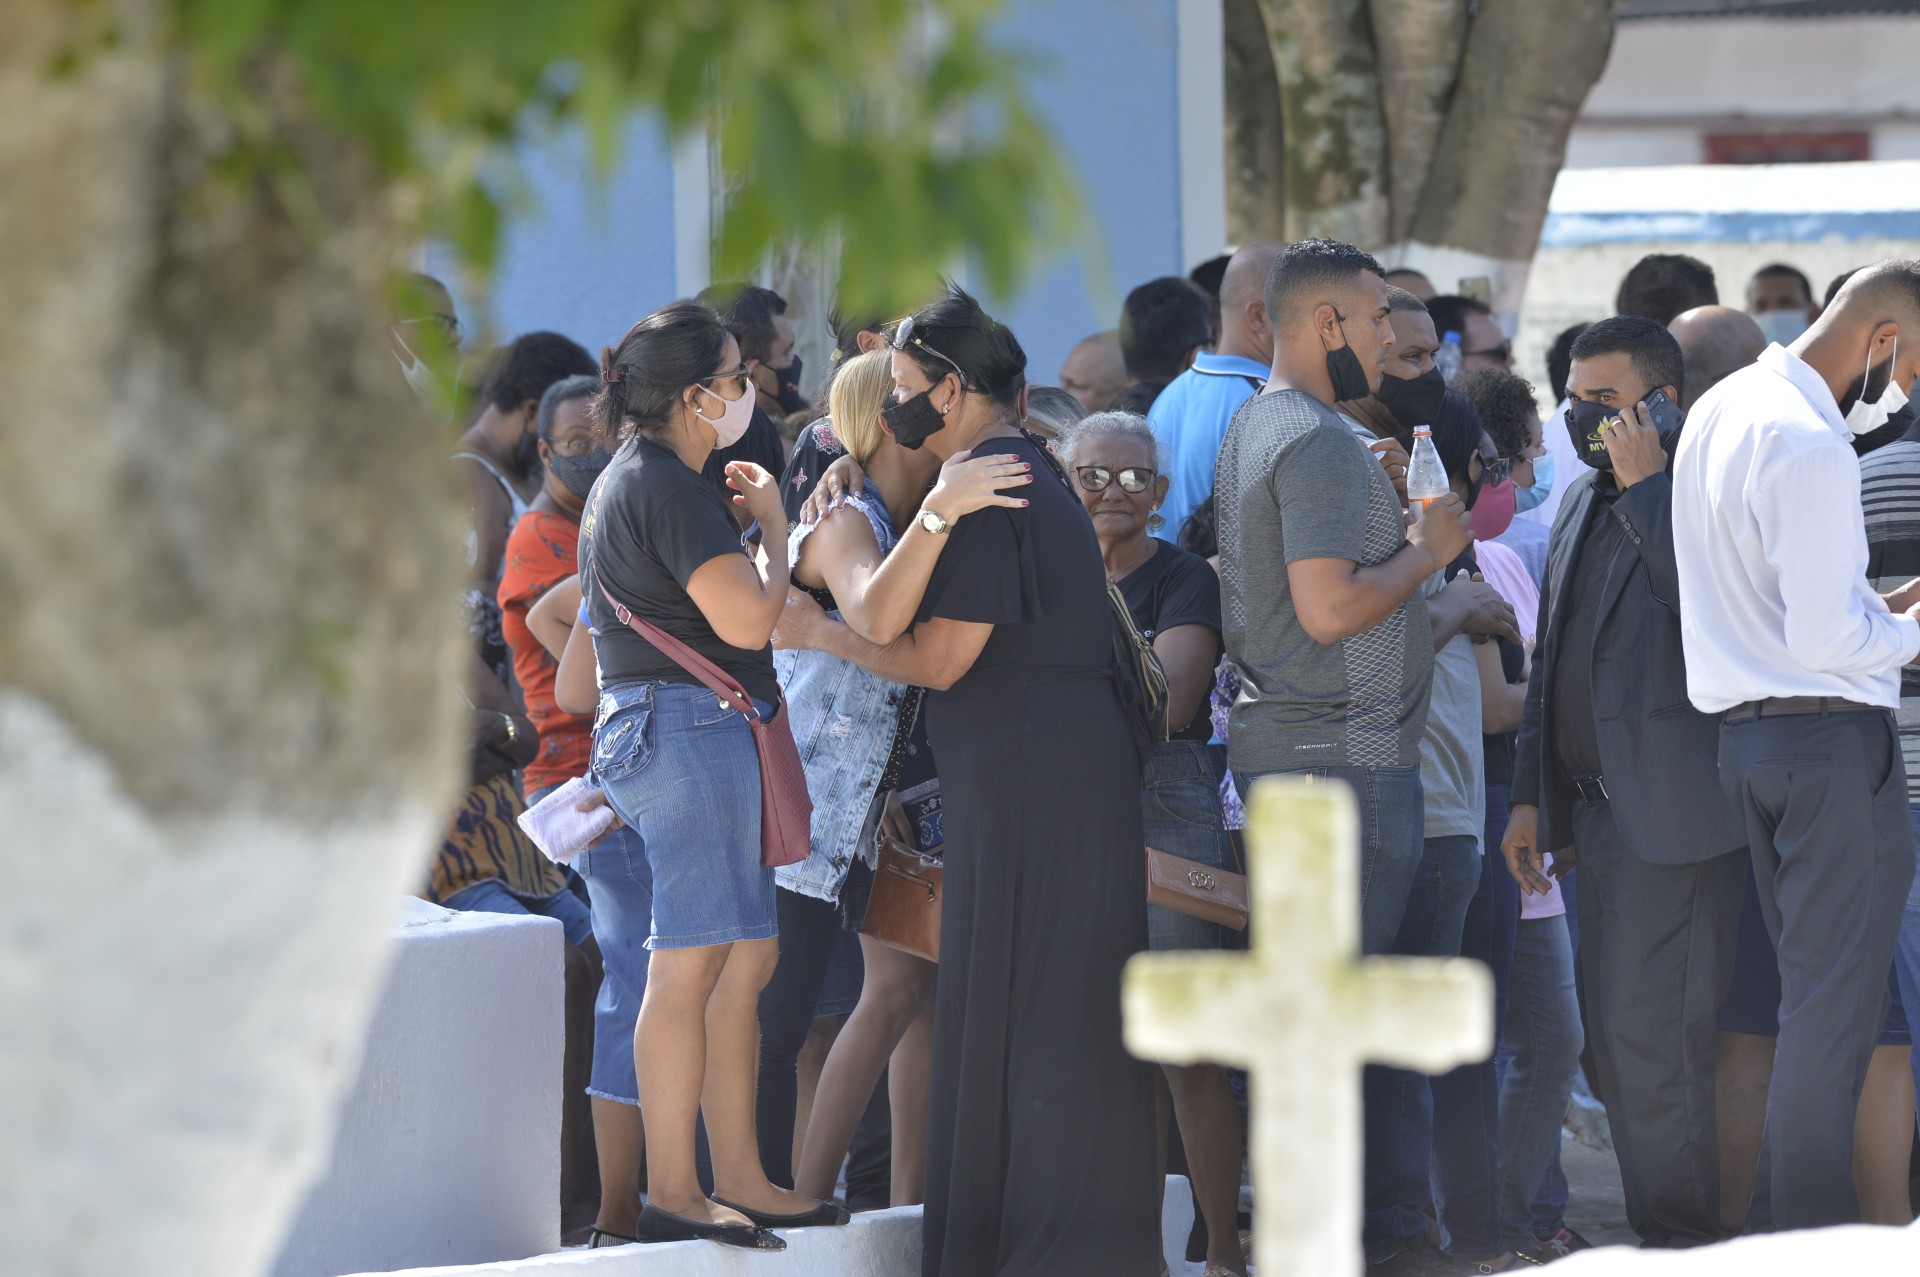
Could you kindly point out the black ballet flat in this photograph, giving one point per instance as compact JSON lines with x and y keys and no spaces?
{"x":829,"y":1213}
{"x":658,"y":1226}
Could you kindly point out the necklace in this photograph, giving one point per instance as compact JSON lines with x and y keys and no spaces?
{"x":1146,"y":552}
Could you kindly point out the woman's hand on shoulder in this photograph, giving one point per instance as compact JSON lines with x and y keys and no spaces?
{"x":840,"y":478}
{"x":968,"y":483}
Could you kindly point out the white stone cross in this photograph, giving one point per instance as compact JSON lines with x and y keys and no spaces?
{"x":1302,"y":1012}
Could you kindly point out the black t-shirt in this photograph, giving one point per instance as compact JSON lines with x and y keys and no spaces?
{"x":760,"y":445}
{"x":1174,"y":588}
{"x":650,"y":524}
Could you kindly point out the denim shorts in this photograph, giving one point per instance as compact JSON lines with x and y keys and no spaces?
{"x":493,"y":896}
{"x":681,"y":770}
{"x":617,"y":1006}
{"x":1181,"y":803}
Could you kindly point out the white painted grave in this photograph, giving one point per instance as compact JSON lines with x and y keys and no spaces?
{"x":448,"y":1148}
{"x":1302,"y":1011}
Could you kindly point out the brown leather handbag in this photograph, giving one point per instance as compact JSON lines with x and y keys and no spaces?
{"x":786,"y":809}
{"x":1200,"y":891}
{"x":904,"y":910}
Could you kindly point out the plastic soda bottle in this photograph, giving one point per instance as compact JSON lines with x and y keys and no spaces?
{"x":1447,"y":358}
{"x":1426,"y":477}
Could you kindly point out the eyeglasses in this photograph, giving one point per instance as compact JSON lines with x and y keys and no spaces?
{"x":903,"y":337}
{"x":738,"y":374}
{"x":448,"y":325}
{"x":575,"y":447}
{"x":1499,"y":470}
{"x":1135,"y":479}
{"x":1503,"y":353}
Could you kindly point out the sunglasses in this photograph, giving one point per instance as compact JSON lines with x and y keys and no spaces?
{"x":1135,"y":479}
{"x":1498,"y":470}
{"x":449,"y":326}
{"x":903,"y":337}
{"x":738,"y":374}
{"x":1503,"y":352}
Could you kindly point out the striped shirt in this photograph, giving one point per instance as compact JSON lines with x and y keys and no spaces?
{"x":1890,"y":499}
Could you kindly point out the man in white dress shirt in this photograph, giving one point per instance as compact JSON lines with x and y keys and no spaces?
{"x":1784,"y":636}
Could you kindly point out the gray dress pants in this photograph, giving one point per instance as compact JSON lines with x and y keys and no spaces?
{"x":1656,"y":958}
{"x":1824,"y":797}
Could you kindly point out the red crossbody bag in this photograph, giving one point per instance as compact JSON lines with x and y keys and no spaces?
{"x":786,"y":810}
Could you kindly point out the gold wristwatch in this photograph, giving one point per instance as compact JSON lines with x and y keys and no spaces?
{"x":934,"y":523}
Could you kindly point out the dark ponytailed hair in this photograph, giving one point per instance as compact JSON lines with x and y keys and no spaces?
{"x":673,"y":348}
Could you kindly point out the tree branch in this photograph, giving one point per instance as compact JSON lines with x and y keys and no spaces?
{"x":1330,"y":107}
{"x":1256,"y":146}
{"x":1418,"y":44}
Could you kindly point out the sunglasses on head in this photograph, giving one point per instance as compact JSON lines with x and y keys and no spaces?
{"x":903,"y":337}
{"x":1135,"y":479}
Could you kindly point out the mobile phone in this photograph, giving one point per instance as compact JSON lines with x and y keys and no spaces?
{"x":1478,"y":287}
{"x":1665,"y":414}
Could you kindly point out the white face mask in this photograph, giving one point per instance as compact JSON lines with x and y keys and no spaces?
{"x":1782,"y":326}
{"x":420,"y":375}
{"x":1864,"y":418}
{"x":735,"y":416}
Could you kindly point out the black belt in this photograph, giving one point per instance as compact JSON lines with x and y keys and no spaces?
{"x":1781,"y":706}
{"x":1593,"y":789}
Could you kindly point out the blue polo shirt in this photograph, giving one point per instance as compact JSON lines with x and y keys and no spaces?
{"x":1190,"y":419}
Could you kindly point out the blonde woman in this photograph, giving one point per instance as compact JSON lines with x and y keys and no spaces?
{"x":860,"y":743}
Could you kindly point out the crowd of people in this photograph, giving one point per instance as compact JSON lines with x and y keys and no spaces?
{"x":1622,"y":711}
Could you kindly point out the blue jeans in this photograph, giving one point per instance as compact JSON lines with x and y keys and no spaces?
{"x":1399,"y":1104}
{"x":1466,"y":1101}
{"x":1906,"y":955}
{"x":1544,"y":1036}
{"x":493,"y":896}
{"x":1392,"y":812}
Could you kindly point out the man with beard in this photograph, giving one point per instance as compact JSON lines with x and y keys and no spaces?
{"x":499,"y":455}
{"x":1785,"y":637}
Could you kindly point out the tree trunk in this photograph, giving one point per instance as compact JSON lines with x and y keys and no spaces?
{"x":1256,"y":147}
{"x":230,"y":553}
{"x":1526,"y":72}
{"x":1330,"y":108}
{"x":1418,"y":43}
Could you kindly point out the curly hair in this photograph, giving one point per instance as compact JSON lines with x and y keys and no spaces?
{"x":1505,"y":404}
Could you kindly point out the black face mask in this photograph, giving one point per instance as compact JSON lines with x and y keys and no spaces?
{"x":1413,"y":401}
{"x":913,"y":420}
{"x":1343,"y":367}
{"x":576,"y":474}
{"x":791,"y":400}
{"x":1584,"y":420}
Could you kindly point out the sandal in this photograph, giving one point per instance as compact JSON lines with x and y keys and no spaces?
{"x":658,"y":1226}
{"x":829,"y":1213}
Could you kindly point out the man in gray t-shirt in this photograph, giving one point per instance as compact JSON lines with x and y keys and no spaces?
{"x":1320,"y":575}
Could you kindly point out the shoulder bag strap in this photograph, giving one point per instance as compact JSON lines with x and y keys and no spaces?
{"x":715,"y":679}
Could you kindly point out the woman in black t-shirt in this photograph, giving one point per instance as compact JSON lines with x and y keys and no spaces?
{"x":691,"y":908}
{"x":1175,"y":600}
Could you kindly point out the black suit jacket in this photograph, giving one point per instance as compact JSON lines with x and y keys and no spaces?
{"x":1658,"y":755}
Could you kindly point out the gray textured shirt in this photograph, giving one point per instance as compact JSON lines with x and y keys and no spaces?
{"x":1294,"y":483}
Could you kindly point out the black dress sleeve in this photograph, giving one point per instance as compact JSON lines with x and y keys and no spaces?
{"x":987,"y":573}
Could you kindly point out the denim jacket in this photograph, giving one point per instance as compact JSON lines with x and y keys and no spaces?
{"x":843,"y":719}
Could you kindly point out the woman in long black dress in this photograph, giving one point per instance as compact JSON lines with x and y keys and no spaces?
{"x":1040,"y":1154}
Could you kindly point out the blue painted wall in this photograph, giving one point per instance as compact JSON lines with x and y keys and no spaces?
{"x":1106,"y":84}
{"x":587,"y":258}
{"x":587,"y":261}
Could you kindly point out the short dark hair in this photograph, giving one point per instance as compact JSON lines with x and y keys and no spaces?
{"x":529,"y":365}
{"x":984,"y":350}
{"x":846,"y":330}
{"x":1663,"y":285}
{"x":747,"y":310}
{"x":1506,"y":406}
{"x":1162,"y":322}
{"x":1560,"y":359}
{"x":565,"y":390}
{"x":1209,"y":273}
{"x":1408,"y":270}
{"x":1450,"y":311}
{"x":1456,"y":433}
{"x":1136,"y":397}
{"x":1656,"y":355}
{"x":1400,"y":301}
{"x":675,"y":347}
{"x":1797,"y":275}
{"x":1309,"y":267}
